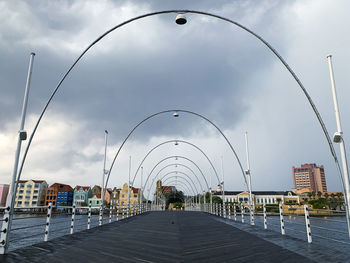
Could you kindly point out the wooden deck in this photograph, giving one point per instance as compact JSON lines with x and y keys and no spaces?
{"x":158,"y":237}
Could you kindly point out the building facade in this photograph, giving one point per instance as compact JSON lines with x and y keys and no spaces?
{"x":259,"y":197}
{"x":30,"y":193}
{"x":59,"y":195}
{"x":310,"y":176}
{"x":4,"y":190}
{"x":124,"y":193}
{"x":95,"y":200}
{"x":81,"y":195}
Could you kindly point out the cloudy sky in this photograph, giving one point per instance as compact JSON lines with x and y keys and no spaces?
{"x":207,"y":66}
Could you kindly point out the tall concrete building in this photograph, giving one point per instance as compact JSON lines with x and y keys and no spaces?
{"x":310,"y":176}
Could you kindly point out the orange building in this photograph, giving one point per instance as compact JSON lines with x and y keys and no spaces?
{"x":310,"y":176}
{"x":59,"y":194}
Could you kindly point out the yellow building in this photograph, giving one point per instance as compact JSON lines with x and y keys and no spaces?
{"x":30,"y":193}
{"x":134,"y":196}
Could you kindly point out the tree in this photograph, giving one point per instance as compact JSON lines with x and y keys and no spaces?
{"x":309,"y":194}
{"x":319,"y":194}
{"x":326,"y":195}
{"x":313,"y":195}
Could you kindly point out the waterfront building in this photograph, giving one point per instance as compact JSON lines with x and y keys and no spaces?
{"x":168,"y":189}
{"x":96,"y":190}
{"x":4,"y":190}
{"x":59,"y":195}
{"x":95,"y":200}
{"x":30,"y":193}
{"x":81,"y":195}
{"x":134,"y":195}
{"x":310,"y":176}
{"x":115,"y":196}
{"x":270,"y":197}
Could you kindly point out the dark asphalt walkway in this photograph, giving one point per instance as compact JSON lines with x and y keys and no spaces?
{"x":158,"y":237}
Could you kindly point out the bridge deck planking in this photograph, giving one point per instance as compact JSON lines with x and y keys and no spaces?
{"x":158,"y":237}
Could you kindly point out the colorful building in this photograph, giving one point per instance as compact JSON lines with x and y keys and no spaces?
{"x":59,"y":195}
{"x":4,"y":190}
{"x":81,"y":195}
{"x":310,"y":176}
{"x":95,"y":200}
{"x":115,"y":196}
{"x":30,"y":193}
{"x":124,"y":194}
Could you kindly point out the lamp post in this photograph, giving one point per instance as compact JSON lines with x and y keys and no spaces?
{"x":338,"y":138}
{"x":22,"y":136}
{"x":251,"y":202}
{"x":103,"y":179}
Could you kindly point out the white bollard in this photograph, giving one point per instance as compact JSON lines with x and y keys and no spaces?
{"x":89,"y":217}
{"x":100,"y":219}
{"x":72,"y":222}
{"x":307,"y":223}
{"x":48,"y":218}
{"x":229,"y":211}
{"x":117,"y":207}
{"x":283,"y":231}
{"x":234,"y":212}
{"x":242,"y":213}
{"x":265,"y":216}
{"x":110,"y":213}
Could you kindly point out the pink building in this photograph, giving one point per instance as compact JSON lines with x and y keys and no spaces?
{"x":4,"y":190}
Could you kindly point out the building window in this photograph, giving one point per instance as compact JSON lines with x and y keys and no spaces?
{"x":19,"y":202}
{"x":22,"y":185}
{"x":27,"y":197}
{"x":35,"y":197}
{"x":21,"y":191}
{"x":34,"y":203}
{"x":20,"y":197}
{"x":26,"y":203}
{"x":135,"y":196}
{"x":36,"y":186}
{"x":36,"y":191}
{"x":29,"y":186}
{"x":97,"y":202}
{"x":28,"y":191}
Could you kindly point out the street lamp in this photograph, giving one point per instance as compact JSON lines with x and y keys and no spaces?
{"x":181,"y":19}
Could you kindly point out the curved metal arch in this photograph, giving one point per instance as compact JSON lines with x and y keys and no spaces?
{"x":182,"y":165}
{"x":184,"y":111}
{"x":170,"y":141}
{"x":185,"y":187}
{"x":180,"y":174}
{"x":313,"y":106}
{"x":167,"y":158}
{"x":185,"y":183}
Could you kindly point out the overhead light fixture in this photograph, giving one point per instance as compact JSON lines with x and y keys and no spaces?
{"x":175,"y":114}
{"x":180,"y":19}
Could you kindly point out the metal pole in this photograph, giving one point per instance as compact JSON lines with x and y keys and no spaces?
{"x":128,"y":208}
{"x":223,"y":188}
{"x":265,"y":216}
{"x":103,"y":175}
{"x":307,"y":223}
{"x":22,"y":135}
{"x":48,"y":218}
{"x":283,"y":231}
{"x":251,"y":205}
{"x":338,"y":138}
{"x":89,"y":217}
{"x":141,"y":190}
{"x":72,"y":221}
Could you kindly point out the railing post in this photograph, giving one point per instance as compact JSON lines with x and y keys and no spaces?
{"x":234,"y":212}
{"x":72,"y":222}
{"x":265,"y":217}
{"x":307,"y":222}
{"x":117,"y":208}
{"x":4,"y":230}
{"x":48,"y":218}
{"x":123,"y":212}
{"x":89,"y":217}
{"x":100,"y":218}
{"x":110,"y":212}
{"x":242,"y":212}
{"x":229,"y":211}
{"x":283,"y":231}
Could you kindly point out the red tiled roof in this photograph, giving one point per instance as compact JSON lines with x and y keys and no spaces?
{"x":167,"y":188}
{"x":35,"y":181}
{"x":61,"y":187}
{"x":85,"y":188}
{"x":97,"y":195}
{"x":135,"y":190}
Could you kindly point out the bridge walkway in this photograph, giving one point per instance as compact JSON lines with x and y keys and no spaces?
{"x":158,"y":237}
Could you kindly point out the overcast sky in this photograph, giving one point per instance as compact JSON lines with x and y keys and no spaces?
{"x":207,"y":66}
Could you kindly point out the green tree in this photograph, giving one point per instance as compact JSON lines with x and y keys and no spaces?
{"x":313,"y":195}
{"x":319,"y":194}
